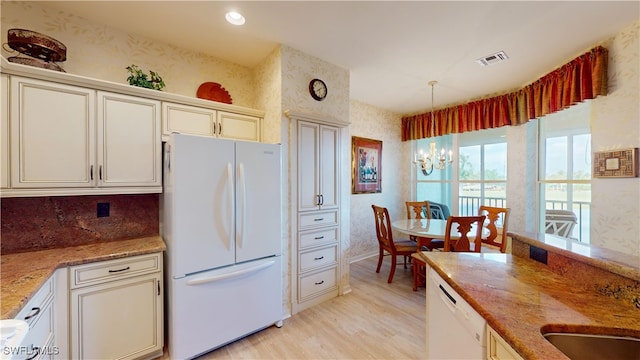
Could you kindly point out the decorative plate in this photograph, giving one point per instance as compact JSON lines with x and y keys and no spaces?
{"x":37,"y":45}
{"x":35,"y":62}
{"x":213,"y":91}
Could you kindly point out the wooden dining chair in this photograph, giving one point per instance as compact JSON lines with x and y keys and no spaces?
{"x":497,"y":235}
{"x":418,"y":210}
{"x":422,"y":210}
{"x":463,"y":225}
{"x":386,"y":243}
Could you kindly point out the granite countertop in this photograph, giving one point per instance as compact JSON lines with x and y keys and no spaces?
{"x":22,"y":274}
{"x":518,"y":297}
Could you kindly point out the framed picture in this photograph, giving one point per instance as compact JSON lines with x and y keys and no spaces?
{"x":366,"y":165}
{"x":616,"y":163}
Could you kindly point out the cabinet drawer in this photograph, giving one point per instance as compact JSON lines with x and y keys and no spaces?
{"x":317,"y":258}
{"x":36,"y":303}
{"x":40,"y":334}
{"x":317,"y":283}
{"x":318,"y":218}
{"x":318,"y":237}
{"x":103,"y":271}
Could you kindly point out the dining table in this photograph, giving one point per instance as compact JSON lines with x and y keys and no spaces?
{"x":428,"y":228}
{"x":431,"y":229}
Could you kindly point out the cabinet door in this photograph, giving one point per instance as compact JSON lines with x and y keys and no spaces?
{"x":308,"y":166}
{"x":4,"y":132}
{"x":129,"y":141}
{"x":186,"y":119}
{"x":117,"y":320}
{"x":239,"y":127}
{"x":329,"y":167}
{"x":52,"y":134}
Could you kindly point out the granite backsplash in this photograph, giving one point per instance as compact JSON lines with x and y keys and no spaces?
{"x":38,"y":223}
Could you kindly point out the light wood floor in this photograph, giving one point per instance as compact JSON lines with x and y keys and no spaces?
{"x":375,"y":321}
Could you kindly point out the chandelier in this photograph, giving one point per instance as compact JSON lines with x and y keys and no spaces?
{"x":432,"y":160}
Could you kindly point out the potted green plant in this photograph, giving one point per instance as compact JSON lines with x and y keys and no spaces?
{"x":138,"y":78}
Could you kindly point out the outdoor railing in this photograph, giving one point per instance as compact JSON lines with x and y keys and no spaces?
{"x":469,"y":206}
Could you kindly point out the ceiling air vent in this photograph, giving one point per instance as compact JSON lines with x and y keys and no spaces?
{"x":500,"y":56}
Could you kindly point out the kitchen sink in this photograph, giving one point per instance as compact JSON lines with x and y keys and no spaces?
{"x":588,"y":346}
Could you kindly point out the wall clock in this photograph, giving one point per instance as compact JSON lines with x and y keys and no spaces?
{"x":318,"y":89}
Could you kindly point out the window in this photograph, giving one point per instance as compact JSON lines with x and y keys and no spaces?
{"x":435,"y":187}
{"x":565,"y":173}
{"x":482,"y":170}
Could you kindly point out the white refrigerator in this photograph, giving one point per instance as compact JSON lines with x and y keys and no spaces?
{"x":221,"y":222}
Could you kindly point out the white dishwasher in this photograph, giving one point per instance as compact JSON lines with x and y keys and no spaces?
{"x":454,"y":329}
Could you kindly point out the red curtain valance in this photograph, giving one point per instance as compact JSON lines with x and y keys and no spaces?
{"x":585,"y":77}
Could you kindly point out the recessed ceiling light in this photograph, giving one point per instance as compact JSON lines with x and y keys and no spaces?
{"x":234,"y":18}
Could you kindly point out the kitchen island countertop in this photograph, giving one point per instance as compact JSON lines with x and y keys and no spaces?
{"x":519,"y":297}
{"x":22,"y":274}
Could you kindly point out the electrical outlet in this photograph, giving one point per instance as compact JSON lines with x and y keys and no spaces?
{"x":538,"y":254}
{"x":103,"y":209}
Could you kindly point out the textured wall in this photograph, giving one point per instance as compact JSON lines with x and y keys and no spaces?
{"x":100,"y":52}
{"x":615,"y":124}
{"x":374,"y":123}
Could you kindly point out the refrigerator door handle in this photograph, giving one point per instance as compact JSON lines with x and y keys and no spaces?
{"x":221,"y":277}
{"x":243,"y":203}
{"x":230,"y":203}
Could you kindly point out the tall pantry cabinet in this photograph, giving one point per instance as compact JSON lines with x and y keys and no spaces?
{"x":316,"y":255}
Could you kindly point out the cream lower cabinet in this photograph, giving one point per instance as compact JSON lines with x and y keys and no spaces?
{"x":70,"y":140}
{"x":318,"y":261}
{"x":4,"y":131}
{"x":40,"y":341}
{"x":195,"y":120}
{"x":498,"y":349}
{"x":117,"y":309}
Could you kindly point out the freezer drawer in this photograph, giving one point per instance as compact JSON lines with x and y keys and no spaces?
{"x":210,"y":309}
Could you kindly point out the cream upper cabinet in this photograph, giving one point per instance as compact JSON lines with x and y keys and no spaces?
{"x":52,"y":134}
{"x":4,"y":131}
{"x":238,"y":126}
{"x":129,"y":146}
{"x":70,"y":140}
{"x":187,"y":119}
{"x":317,"y":166}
